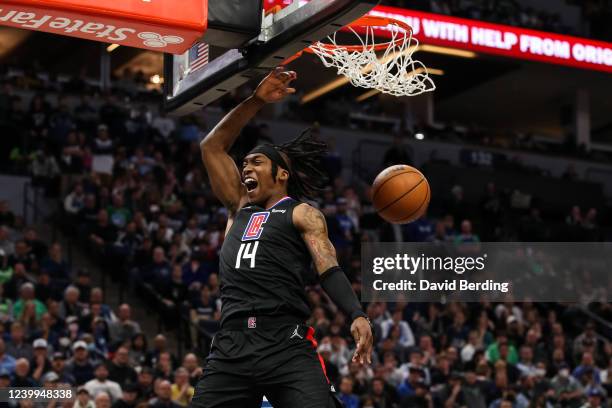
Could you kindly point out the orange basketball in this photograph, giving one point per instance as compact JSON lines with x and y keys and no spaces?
{"x":400,"y":194}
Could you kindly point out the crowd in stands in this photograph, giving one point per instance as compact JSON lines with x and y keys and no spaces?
{"x":135,"y":195}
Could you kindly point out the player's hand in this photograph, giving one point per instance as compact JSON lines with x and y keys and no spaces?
{"x":276,"y":86}
{"x":362,"y":333}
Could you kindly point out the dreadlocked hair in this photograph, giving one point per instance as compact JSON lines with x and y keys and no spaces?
{"x":306,"y":177}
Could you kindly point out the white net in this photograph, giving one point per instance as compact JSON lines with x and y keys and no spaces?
{"x":392,"y":72}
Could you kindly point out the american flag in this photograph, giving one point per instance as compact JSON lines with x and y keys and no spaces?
{"x":198,"y":56}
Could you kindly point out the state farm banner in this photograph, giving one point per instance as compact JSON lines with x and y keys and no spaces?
{"x":498,"y":39}
{"x":157,"y":25}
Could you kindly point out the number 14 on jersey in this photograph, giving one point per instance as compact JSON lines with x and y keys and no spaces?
{"x":246,"y":252}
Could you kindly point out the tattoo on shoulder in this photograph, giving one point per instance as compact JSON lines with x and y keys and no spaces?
{"x":314,"y":221}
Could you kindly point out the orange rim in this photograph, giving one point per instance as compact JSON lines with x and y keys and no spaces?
{"x":366,"y":21}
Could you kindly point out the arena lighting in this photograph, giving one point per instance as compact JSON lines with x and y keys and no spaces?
{"x":156,"y":79}
{"x":435,"y":49}
{"x":419,"y":136}
{"x":372,"y":92}
{"x":112,"y":47}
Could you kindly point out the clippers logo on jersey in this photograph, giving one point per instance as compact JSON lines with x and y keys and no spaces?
{"x":255,"y":226}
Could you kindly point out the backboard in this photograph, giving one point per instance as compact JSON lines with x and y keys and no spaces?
{"x":195,"y":79}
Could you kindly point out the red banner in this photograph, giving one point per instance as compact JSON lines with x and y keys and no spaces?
{"x":157,"y":25}
{"x":498,"y":39}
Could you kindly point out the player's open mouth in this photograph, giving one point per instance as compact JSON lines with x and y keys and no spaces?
{"x":250,"y":184}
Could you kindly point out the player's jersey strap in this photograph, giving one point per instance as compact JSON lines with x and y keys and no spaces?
{"x":264,"y":263}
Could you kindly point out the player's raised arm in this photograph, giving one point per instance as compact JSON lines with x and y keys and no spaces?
{"x":311,"y":223}
{"x":224,"y":176}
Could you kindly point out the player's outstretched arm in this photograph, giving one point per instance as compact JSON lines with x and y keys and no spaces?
{"x":311,"y":223}
{"x":224,"y":176}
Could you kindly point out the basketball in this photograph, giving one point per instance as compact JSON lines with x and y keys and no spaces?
{"x":400,"y":194}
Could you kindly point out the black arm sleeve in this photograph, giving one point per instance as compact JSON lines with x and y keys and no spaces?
{"x":338,"y":287}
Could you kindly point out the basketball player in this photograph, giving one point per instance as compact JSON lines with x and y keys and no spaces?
{"x":272,"y":239}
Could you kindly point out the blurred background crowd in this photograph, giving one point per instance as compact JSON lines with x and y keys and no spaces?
{"x":127,"y":189}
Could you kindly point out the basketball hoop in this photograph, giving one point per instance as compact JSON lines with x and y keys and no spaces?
{"x":395,"y":72}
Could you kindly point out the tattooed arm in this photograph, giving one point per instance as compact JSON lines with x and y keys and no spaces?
{"x":311,"y":223}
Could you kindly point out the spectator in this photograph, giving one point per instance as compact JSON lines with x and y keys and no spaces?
{"x":71,"y":306}
{"x":567,"y":390}
{"x":103,"y":400}
{"x":56,"y":267}
{"x":119,"y":368}
{"x":18,"y":347}
{"x":39,"y":364}
{"x":75,"y":201}
{"x":83,"y":399}
{"x":7,"y":361}
{"x":123,"y":328}
{"x":21,"y":377}
{"x":26,"y":295}
{"x":182,"y":390}
{"x":129,"y":399}
{"x":58,"y":366}
{"x":145,"y":383}
{"x":103,"y":148}
{"x":163,"y":396}
{"x":138,"y":350}
{"x":190,"y":363}
{"x":406,"y":338}
{"x":80,"y":366}
{"x":346,"y":395}
{"x":101,"y":384}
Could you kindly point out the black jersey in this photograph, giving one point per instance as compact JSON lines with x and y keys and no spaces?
{"x":264,"y":264}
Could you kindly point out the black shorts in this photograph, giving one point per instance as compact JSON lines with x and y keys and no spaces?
{"x":272,"y":358}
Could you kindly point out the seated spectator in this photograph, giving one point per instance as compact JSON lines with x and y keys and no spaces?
{"x":75,"y":201}
{"x":80,"y":366}
{"x":18,"y":347}
{"x":6,"y":306}
{"x":83,"y":284}
{"x":13,"y":287}
{"x":22,"y":255}
{"x":566,"y":388}
{"x":58,"y":366}
{"x":587,"y":364}
{"x":129,"y":399}
{"x":346,"y":395}
{"x":97,"y":297}
{"x":7,"y":361}
{"x":101,"y":384}
{"x":71,"y":306}
{"x":103,"y":233}
{"x":26,"y":295}
{"x":6,"y":243}
{"x":83,"y":399}
{"x":103,"y":400}
{"x":158,"y":272}
{"x":21,"y":377}
{"x":145,"y":383}
{"x":163,"y":396}
{"x":406,"y":336}
{"x":123,"y":328}
{"x":164,"y":368}
{"x":190,"y":363}
{"x":56,"y":266}
{"x":6,"y":269}
{"x":181,"y":391}
{"x":119,"y":368}
{"x":39,"y":364}
{"x":492,"y":353}
{"x":119,"y":214}
{"x":194,"y":272}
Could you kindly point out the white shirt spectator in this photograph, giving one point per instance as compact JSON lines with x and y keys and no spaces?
{"x":95,"y":386}
{"x":406,"y":338}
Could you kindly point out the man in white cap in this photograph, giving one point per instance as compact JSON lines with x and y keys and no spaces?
{"x":39,"y":364}
{"x":80,"y":366}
